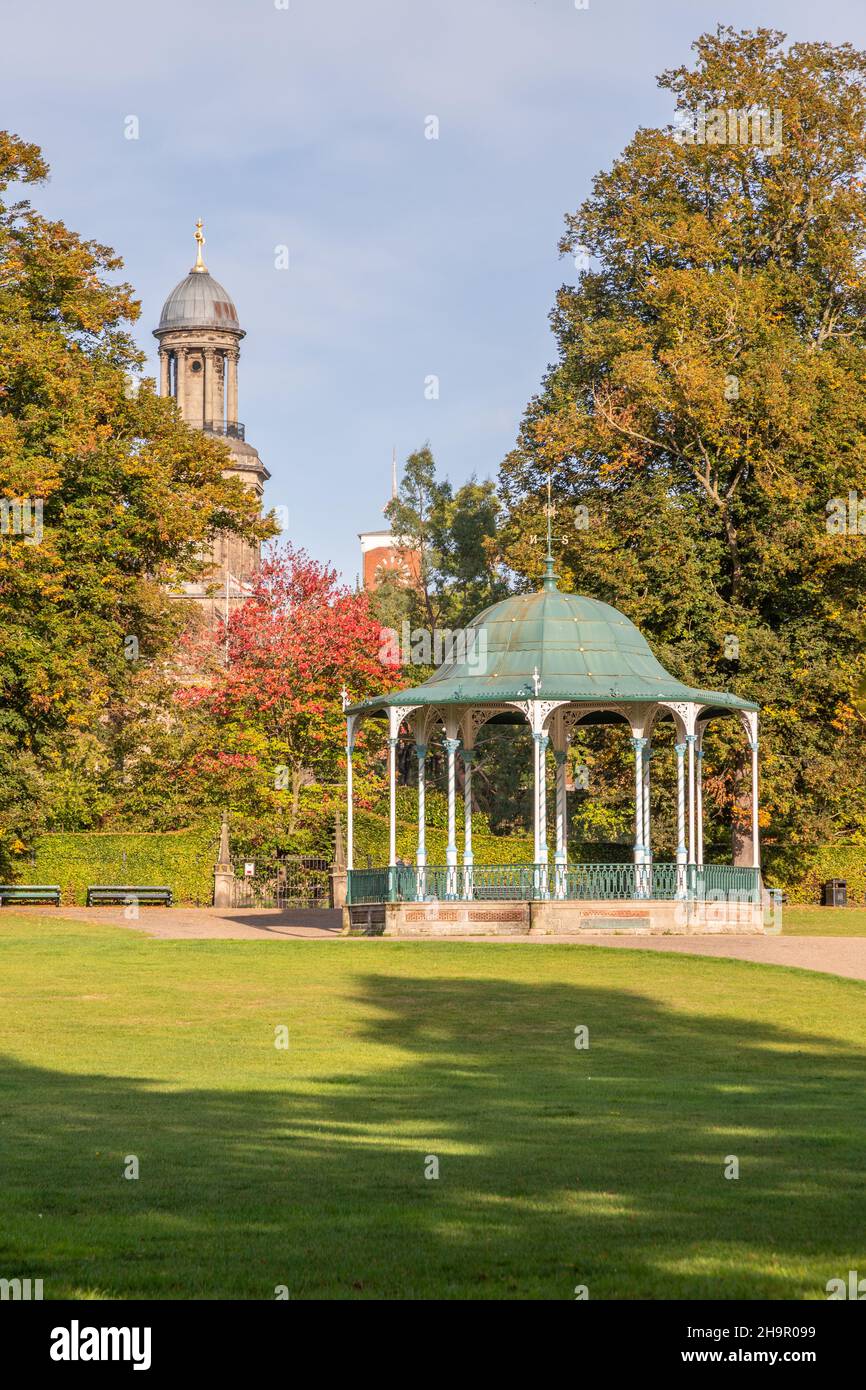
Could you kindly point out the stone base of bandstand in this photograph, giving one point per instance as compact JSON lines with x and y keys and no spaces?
{"x":650,"y":917}
{"x":554,"y":917}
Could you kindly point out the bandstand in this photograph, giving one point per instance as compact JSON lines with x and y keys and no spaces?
{"x":555,"y":662}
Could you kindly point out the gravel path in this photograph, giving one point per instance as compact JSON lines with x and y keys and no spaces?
{"x":834,"y":955}
{"x":209,"y":923}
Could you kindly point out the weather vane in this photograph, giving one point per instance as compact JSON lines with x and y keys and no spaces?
{"x":549,"y":574}
{"x":551,"y":513}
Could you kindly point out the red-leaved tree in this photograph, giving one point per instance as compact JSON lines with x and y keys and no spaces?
{"x":274,"y":711}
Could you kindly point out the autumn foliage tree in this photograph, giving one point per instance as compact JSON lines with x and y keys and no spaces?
{"x":707,"y":405}
{"x":127,"y":498}
{"x":273,"y":712}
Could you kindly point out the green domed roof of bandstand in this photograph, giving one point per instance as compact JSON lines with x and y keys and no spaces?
{"x":582,"y":650}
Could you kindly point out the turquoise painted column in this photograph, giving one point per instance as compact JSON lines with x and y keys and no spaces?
{"x":392,"y":818}
{"x":421,"y":853}
{"x":640,"y":844}
{"x":561,"y":856}
{"x":638,"y":744}
{"x":682,"y":852}
{"x":451,"y":746}
{"x":699,"y":796}
{"x":756,"y":845}
{"x":392,"y":802}
{"x":541,"y":742}
{"x":691,"y":739}
{"x":647,"y":828}
{"x":350,"y":808}
{"x":468,"y":760}
{"x":535,"y":833}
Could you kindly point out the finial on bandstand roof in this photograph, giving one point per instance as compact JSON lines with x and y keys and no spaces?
{"x":549,"y":574}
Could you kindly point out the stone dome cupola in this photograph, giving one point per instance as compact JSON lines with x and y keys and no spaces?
{"x":199,"y":336}
{"x":199,"y":301}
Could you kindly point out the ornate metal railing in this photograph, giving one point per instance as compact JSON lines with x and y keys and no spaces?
{"x":532,"y":882}
{"x":233,"y":428}
{"x":369,"y":885}
{"x":297,"y":880}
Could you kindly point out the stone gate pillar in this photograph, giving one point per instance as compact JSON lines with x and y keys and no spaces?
{"x":223,"y":874}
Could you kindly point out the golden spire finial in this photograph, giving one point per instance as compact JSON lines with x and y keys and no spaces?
{"x":199,"y":236}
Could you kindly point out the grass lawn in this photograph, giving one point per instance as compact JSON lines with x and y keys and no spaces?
{"x":823,"y":921}
{"x":305,"y":1167}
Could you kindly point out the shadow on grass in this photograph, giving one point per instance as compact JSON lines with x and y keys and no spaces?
{"x":557,"y":1166}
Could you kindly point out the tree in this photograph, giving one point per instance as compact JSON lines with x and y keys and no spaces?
{"x":459,"y":574}
{"x":274,"y":712}
{"x":709,"y":403}
{"x":106,"y":497}
{"x":415,"y":514}
{"x":453,"y":534}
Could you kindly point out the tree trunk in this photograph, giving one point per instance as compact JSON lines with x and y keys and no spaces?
{"x":407,"y":761}
{"x":734,"y":551}
{"x":301,"y":777}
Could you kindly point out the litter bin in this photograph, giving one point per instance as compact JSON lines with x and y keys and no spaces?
{"x":836,"y":892}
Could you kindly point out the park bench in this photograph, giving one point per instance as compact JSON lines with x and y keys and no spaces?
{"x":114,"y":893}
{"x":30,"y":893}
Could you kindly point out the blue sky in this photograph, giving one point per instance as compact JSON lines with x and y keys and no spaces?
{"x":409,"y":257}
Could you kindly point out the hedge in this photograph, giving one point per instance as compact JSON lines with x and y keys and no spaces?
{"x":842,"y":860}
{"x":184,"y":859}
{"x":181,"y":859}
{"x":371,"y":839}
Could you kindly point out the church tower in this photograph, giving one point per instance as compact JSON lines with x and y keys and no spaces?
{"x":199,"y":346}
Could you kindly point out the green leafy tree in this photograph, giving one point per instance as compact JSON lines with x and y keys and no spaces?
{"x":416,"y":516}
{"x":454,"y":536}
{"x":709,"y":403}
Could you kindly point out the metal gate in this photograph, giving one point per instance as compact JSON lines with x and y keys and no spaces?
{"x":297,"y":880}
